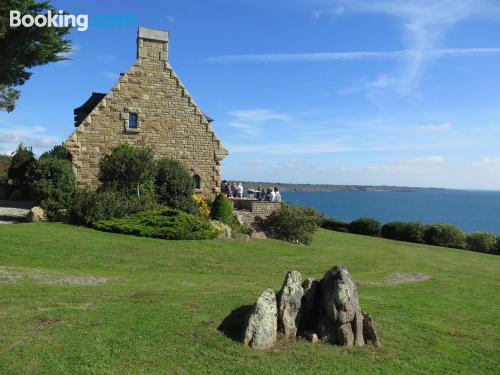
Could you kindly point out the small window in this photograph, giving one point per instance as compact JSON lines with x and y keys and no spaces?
{"x":197,"y":181}
{"x":132,"y":120}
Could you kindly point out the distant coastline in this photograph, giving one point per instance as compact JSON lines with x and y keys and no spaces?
{"x":339,"y":188}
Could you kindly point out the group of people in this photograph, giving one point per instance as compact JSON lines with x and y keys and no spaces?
{"x":235,"y":190}
{"x":269,"y":194}
{"x":232,"y":189}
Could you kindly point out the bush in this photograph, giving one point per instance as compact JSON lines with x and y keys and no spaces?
{"x":445,"y":235}
{"x":392,"y":230}
{"x":482,"y":242}
{"x":174,"y":186}
{"x":404,"y":231}
{"x":52,"y":183}
{"x":239,"y":228}
{"x":5,"y":161}
{"x":168,"y":224}
{"x":89,"y":206}
{"x":126,"y":168}
{"x":57,"y":152}
{"x":293,"y":223}
{"x":203,"y":209}
{"x":498,"y":245}
{"x":220,"y":227}
{"x":365,"y":226}
{"x":21,"y":161}
{"x":334,"y":224}
{"x":222,"y":210}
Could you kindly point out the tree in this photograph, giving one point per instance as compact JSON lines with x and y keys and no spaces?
{"x":21,"y":160}
{"x":23,"y":48}
{"x":174,"y":186}
{"x":126,"y":168}
{"x":52,"y":183}
{"x":222,"y":210}
{"x":58,"y":152}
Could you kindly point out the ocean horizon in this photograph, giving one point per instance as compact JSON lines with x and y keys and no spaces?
{"x":470,"y":210}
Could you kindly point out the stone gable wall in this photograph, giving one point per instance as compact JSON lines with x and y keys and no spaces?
{"x":169,"y":122}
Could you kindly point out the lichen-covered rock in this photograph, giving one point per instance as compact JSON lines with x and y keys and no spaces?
{"x":261,"y":326}
{"x":369,"y":331}
{"x":241,"y":237}
{"x":258,"y":235}
{"x":309,"y":308}
{"x":289,"y":302}
{"x":36,"y":214}
{"x":340,"y":318}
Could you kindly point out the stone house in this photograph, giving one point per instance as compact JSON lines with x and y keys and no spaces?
{"x":148,"y":106}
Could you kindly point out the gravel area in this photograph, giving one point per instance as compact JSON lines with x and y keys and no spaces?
{"x":13,"y":211}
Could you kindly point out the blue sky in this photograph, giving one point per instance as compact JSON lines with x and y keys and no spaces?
{"x":343,"y":92}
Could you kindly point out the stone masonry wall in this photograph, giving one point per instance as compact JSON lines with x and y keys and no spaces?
{"x":169,"y":121}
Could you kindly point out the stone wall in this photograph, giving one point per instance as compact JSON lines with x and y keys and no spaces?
{"x":257,"y":208}
{"x":169,"y":121}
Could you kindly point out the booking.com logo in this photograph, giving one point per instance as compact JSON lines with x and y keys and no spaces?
{"x":81,"y":21}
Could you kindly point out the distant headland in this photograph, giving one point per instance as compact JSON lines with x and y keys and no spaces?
{"x":338,"y":188}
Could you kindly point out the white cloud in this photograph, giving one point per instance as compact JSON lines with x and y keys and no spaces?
{"x":251,"y":121}
{"x":112,"y":76}
{"x":435,"y":127}
{"x":426,"y":160}
{"x":425,"y":24}
{"x":333,"y":12}
{"x":34,"y":136}
{"x":290,"y":148}
{"x":408,"y":55}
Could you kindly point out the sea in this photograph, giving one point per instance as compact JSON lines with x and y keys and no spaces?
{"x":469,"y":210}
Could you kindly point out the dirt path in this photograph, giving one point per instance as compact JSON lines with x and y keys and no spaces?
{"x":12,"y":211}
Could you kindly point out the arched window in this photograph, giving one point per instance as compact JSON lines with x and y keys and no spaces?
{"x":197,"y":181}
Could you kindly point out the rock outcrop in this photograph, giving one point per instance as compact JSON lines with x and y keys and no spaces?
{"x":289,"y":302}
{"x":327,"y":310}
{"x":36,"y":214}
{"x":261,"y":326}
{"x":340,"y":317}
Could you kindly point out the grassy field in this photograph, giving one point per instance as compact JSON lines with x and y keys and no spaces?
{"x":78,"y":301}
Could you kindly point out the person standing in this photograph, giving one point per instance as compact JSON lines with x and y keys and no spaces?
{"x":239,"y":189}
{"x":277,"y":195}
{"x":272,"y":195}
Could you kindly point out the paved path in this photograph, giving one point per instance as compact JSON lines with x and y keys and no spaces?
{"x":12,"y":211}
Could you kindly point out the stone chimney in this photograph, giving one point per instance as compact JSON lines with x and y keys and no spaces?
{"x":152,"y":44}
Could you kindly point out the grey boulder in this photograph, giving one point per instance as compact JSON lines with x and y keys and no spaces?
{"x":289,"y":302}
{"x":261,"y":326}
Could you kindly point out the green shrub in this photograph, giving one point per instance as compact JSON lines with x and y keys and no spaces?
{"x":239,"y":228}
{"x":5,"y":161}
{"x":413,"y":231}
{"x":482,"y":242}
{"x":57,"y":152}
{"x":174,"y":186}
{"x":293,"y":223}
{"x":404,"y":231}
{"x":365,"y":226}
{"x":334,"y":224}
{"x":168,"y":224}
{"x":222,"y":210}
{"x":126,"y":168}
{"x":445,"y":235}
{"x":21,"y":161}
{"x":392,"y":230}
{"x":52,"y":184}
{"x":498,"y":245}
{"x":89,"y":206}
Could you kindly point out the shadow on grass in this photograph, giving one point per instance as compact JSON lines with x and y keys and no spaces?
{"x":232,"y":325}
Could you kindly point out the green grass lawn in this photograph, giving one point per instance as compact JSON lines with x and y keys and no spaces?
{"x":160,"y":308}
